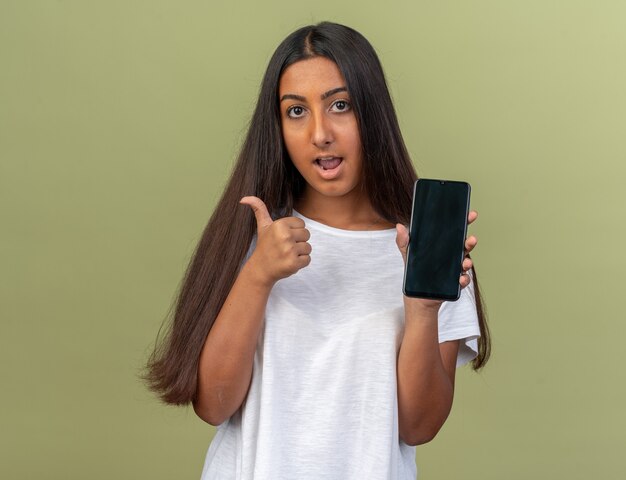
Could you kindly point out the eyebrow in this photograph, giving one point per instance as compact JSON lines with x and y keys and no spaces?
{"x":324,"y":96}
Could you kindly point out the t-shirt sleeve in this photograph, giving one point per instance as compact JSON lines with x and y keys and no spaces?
{"x":459,"y":321}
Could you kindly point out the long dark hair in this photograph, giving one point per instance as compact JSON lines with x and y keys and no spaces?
{"x":264,"y":169}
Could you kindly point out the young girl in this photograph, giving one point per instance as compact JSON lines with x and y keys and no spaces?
{"x":291,"y":332}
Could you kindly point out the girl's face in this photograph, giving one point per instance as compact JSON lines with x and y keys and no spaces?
{"x":319,"y":128}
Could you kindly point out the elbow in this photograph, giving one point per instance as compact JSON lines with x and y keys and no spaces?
{"x":418,"y":439}
{"x":420,"y":435}
{"x":208,"y":415}
{"x":421,"y":428}
{"x":215,"y":405}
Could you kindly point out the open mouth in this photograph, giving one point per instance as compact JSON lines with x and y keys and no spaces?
{"x":329,"y":163}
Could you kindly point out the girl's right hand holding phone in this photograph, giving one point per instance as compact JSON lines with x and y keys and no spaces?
{"x":281,"y":247}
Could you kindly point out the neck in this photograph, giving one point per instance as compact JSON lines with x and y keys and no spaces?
{"x":348,"y":212}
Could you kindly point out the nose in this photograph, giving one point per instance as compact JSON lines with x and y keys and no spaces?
{"x":321,"y":130}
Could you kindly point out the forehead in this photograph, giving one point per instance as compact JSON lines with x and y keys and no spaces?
{"x":317,"y":74}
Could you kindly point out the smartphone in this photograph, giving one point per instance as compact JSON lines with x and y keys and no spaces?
{"x":436,"y":239}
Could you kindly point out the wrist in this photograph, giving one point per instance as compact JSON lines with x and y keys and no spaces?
{"x":256,"y":275}
{"x":421,"y":308}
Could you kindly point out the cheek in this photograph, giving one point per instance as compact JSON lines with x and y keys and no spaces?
{"x":291,"y":138}
{"x":296,"y":147}
{"x":355,"y":145}
{"x":356,"y":142}
{"x":294,"y":150}
{"x":352,"y":136}
{"x":289,"y":143}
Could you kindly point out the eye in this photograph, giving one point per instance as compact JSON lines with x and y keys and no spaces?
{"x":295,"y":112}
{"x":341,"y":106}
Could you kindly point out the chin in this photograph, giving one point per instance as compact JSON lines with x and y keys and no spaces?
{"x":335,"y":191}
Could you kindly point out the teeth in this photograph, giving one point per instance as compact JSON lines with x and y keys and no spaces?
{"x":328,"y":162}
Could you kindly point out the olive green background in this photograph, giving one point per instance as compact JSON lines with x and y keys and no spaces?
{"x":119,"y":123}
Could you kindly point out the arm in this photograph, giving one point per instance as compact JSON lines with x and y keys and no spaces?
{"x":227,"y":357}
{"x":226,"y":361}
{"x":426,"y":368}
{"x":425,"y":375}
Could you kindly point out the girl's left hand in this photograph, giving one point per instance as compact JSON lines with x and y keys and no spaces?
{"x":402,"y":240}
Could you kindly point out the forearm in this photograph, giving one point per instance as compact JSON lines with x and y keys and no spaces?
{"x":227,"y":358}
{"x":425,"y":389}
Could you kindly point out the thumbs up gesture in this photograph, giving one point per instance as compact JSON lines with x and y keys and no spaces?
{"x":281,"y":248}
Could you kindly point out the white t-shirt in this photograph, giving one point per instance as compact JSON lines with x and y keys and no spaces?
{"x":322,"y":403}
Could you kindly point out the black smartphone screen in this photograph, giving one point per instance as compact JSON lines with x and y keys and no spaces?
{"x":437,"y":239}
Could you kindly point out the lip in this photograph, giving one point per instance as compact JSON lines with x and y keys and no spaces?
{"x":329,"y":174}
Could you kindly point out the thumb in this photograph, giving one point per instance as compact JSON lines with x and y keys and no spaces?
{"x":402,"y":239}
{"x":263,"y":218}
